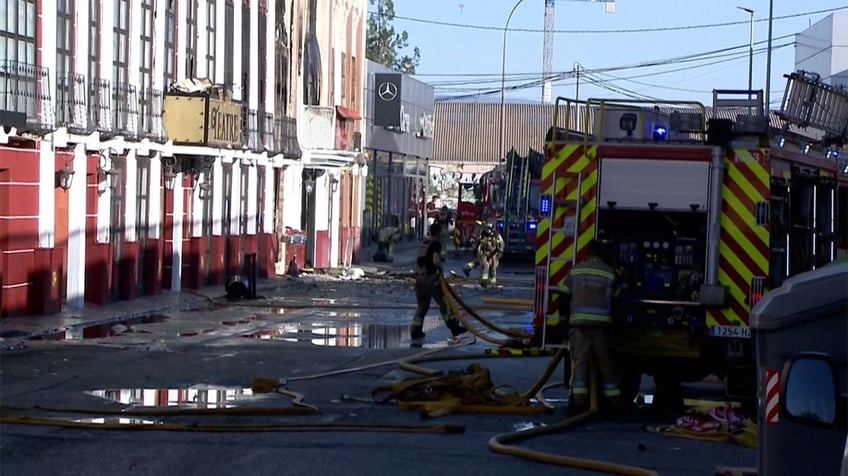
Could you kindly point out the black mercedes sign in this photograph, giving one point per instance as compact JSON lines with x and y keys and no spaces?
{"x":387,"y":99}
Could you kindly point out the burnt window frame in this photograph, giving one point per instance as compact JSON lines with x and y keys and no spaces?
{"x":146,"y":44}
{"x":262,"y":54}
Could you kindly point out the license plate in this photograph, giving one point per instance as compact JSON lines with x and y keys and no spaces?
{"x":731,"y":331}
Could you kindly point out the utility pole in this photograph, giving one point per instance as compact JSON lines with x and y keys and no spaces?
{"x":767,"y":105}
{"x":503,"y":82}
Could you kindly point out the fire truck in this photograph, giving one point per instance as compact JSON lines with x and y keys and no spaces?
{"x":469,"y":211}
{"x":702,"y":209}
{"x":512,"y":192}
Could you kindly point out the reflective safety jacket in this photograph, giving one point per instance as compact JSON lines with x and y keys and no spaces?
{"x":592,"y":285}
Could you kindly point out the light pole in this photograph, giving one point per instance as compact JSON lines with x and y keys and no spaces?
{"x":750,"y":53}
{"x":768,"y":61}
{"x":503,"y":82}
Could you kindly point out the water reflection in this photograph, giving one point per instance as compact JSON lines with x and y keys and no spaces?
{"x":372,"y":336}
{"x":196,"y":396}
{"x":107,"y":329}
{"x":117,"y":421}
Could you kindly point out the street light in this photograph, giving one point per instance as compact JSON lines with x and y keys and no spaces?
{"x":503,"y":80}
{"x":750,"y":53}
{"x":768,"y":60}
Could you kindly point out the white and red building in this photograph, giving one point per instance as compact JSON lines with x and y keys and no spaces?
{"x":99,"y":200}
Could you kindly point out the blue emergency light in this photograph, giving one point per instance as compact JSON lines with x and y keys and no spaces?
{"x":660,"y":132}
{"x":500,"y":224}
{"x":545,"y":204}
{"x":531,"y":225}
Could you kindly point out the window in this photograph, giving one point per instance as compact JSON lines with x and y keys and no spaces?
{"x":211,"y":16}
{"x":93,"y":40}
{"x":191,"y":38}
{"x":245,"y":55}
{"x":145,"y":69}
{"x":17,"y":38}
{"x":261,"y":52}
{"x":353,"y":86}
{"x":64,"y":39}
{"x":811,"y":391}
{"x":229,"y":38}
{"x":170,"y":33}
{"x":344,"y":77}
{"x":120,"y":32}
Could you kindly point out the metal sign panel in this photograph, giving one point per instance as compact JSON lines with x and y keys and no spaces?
{"x":387,"y":99}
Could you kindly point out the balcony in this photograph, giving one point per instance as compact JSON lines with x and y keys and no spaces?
{"x":250,"y":130}
{"x":285,"y":137}
{"x":100,"y":105}
{"x":25,"y":99}
{"x":125,"y":110}
{"x":150,"y":115}
{"x":316,"y":127}
{"x":266,"y":131}
{"x":72,"y":99}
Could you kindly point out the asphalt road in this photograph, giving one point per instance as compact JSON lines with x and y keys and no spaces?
{"x":347,"y":324}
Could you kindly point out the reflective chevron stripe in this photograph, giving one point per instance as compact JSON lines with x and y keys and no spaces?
{"x":744,"y":245}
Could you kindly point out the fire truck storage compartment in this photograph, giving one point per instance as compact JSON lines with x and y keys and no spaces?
{"x":644,"y":184}
{"x":661,"y":254}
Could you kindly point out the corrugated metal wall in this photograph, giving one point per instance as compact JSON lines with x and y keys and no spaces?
{"x":469,"y":133}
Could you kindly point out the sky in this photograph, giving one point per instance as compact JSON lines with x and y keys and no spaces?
{"x":466,"y":59}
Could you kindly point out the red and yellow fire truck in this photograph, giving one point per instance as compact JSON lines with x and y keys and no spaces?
{"x":511,"y":200}
{"x":703,"y":210}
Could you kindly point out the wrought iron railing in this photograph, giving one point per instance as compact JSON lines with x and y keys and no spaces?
{"x":72,"y":100}
{"x":266,"y":130}
{"x":285,"y":137}
{"x":125,"y":109}
{"x":250,"y":130}
{"x":25,"y":96}
{"x":150,"y":115}
{"x":100,"y":105}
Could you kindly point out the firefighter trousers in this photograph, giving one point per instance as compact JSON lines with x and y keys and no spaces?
{"x":427,"y":287}
{"x":596,"y":342}
{"x":488,"y":267}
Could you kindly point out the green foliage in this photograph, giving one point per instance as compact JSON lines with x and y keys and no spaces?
{"x":384,"y":45}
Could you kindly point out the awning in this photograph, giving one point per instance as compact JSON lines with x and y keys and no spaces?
{"x":348,"y":113}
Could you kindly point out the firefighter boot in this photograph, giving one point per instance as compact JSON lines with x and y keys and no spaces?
{"x":416,"y":332}
{"x":455,"y":327}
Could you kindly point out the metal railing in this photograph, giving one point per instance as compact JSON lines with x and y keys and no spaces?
{"x":285,"y":136}
{"x":267,"y":132}
{"x":25,"y":96}
{"x":100,"y":105}
{"x":72,"y":99}
{"x":125,"y":109}
{"x":250,"y":130}
{"x":150,"y":114}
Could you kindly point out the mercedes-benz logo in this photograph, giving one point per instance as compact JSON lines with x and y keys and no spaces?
{"x":387,"y":91}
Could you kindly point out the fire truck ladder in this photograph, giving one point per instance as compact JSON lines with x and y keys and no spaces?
{"x":570,"y":212}
{"x":808,"y":102}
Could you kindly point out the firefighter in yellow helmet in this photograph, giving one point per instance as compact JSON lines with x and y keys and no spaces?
{"x":488,"y":252}
{"x":591,"y":286}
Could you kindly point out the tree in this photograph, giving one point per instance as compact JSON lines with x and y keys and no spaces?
{"x":384,"y":45}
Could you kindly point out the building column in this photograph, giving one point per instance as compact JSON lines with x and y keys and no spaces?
{"x":75,"y":286}
{"x":177,"y":237}
{"x":46,"y":193}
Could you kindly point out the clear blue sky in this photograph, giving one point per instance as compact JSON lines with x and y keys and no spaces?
{"x":450,"y":52}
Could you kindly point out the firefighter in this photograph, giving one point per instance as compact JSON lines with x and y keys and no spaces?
{"x":432,"y":210}
{"x":488,"y":252}
{"x":445,"y":220}
{"x":386,"y":244}
{"x":591,"y":287}
{"x":428,"y":286}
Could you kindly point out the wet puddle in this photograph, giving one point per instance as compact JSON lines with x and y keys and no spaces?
{"x":371,"y":336}
{"x":108,"y":329}
{"x":110,"y":421}
{"x":195,"y":396}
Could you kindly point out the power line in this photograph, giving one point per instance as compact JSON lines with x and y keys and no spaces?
{"x":613,"y":31}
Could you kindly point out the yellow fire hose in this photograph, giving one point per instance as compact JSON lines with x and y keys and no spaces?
{"x":508,"y":301}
